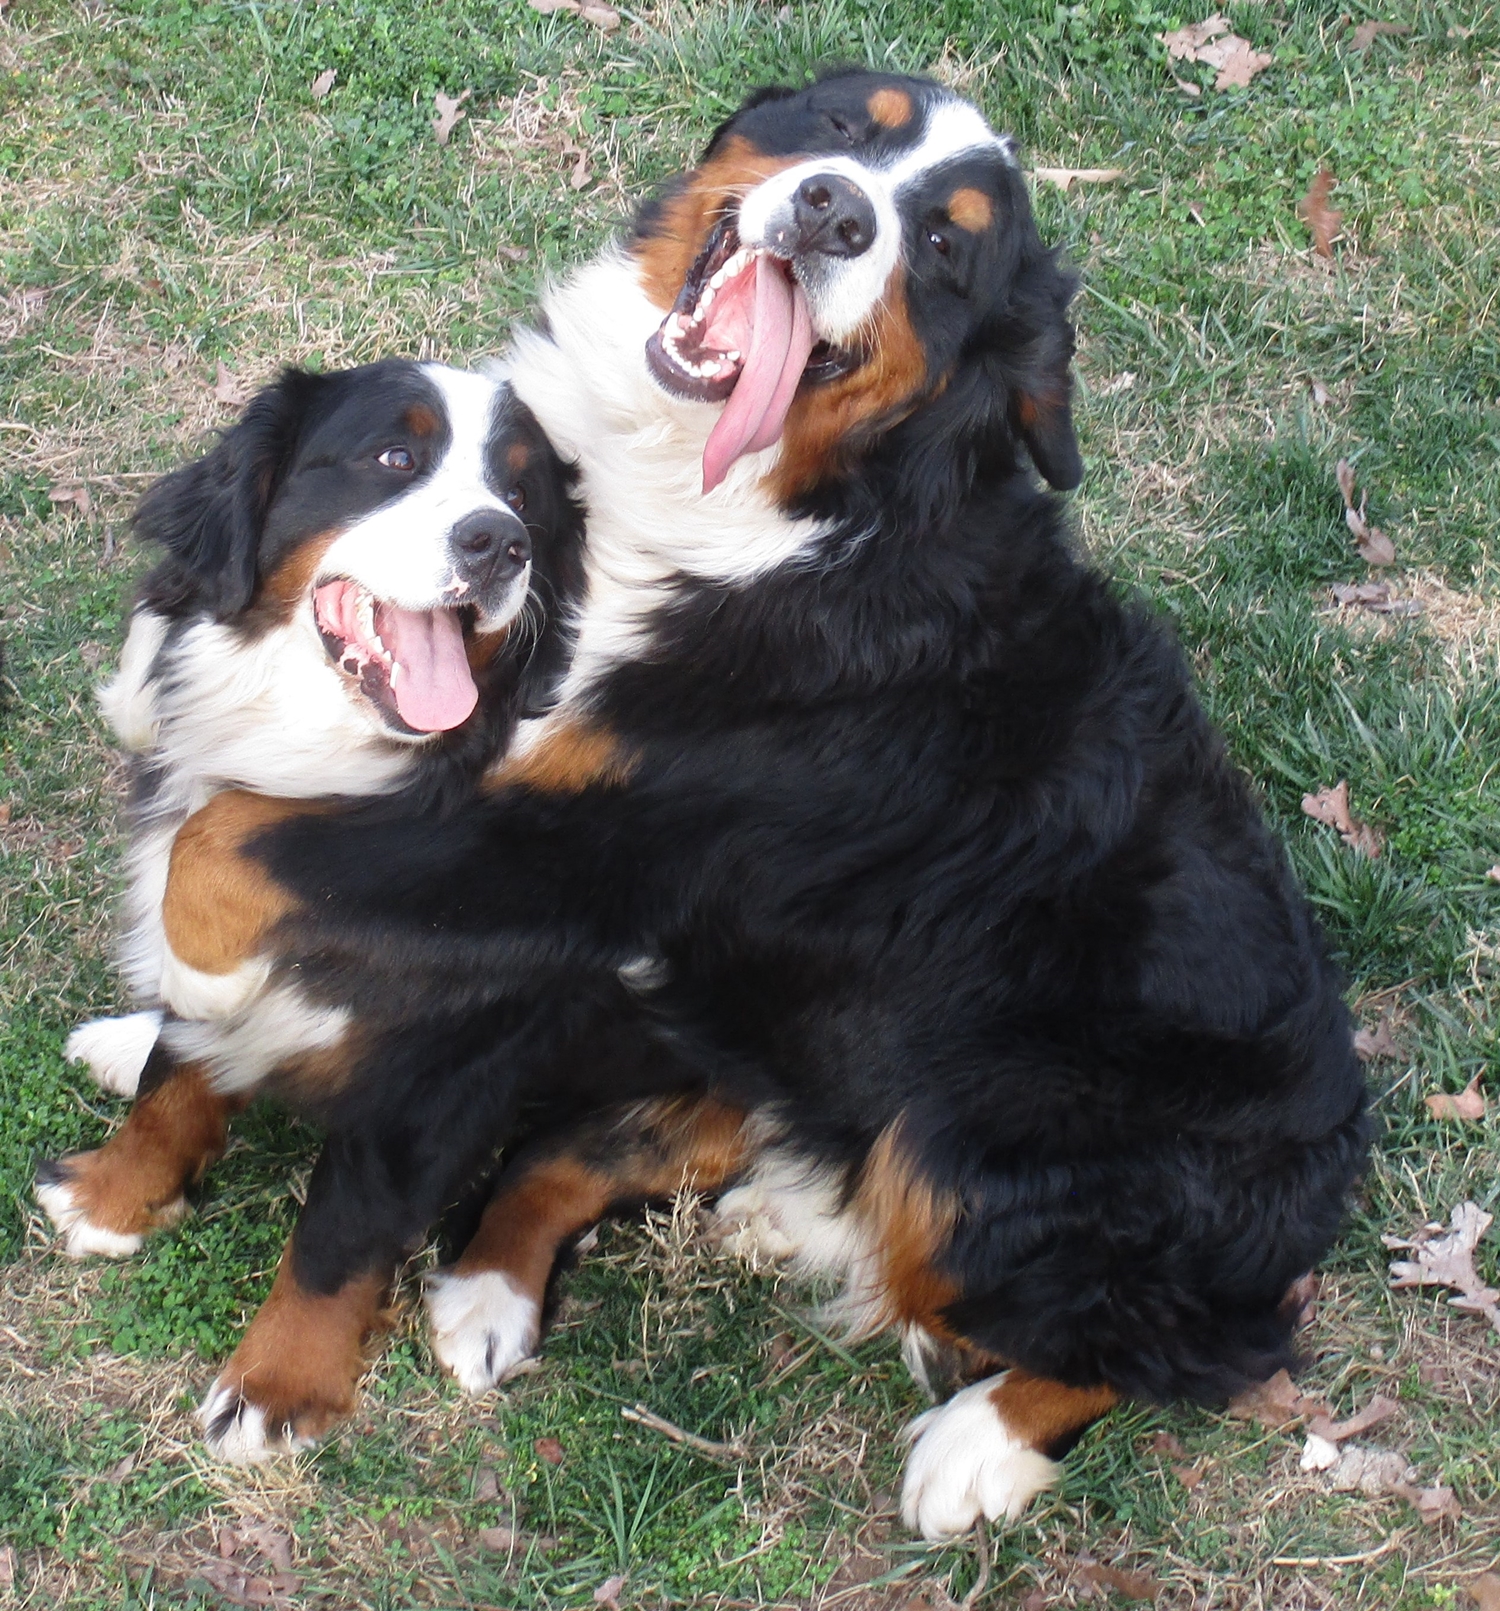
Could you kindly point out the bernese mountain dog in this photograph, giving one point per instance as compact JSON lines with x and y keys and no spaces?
{"x":876,"y":865}
{"x":360,"y":591}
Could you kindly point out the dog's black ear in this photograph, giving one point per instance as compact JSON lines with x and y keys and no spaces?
{"x":1039,"y":372}
{"x":756,"y":97}
{"x":208,"y":517}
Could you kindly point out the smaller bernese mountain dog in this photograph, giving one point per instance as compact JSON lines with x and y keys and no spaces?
{"x":361,"y":589}
{"x":876,"y":864}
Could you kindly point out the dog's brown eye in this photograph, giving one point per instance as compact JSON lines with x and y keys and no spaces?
{"x":516,"y":498}
{"x":397,"y":458}
{"x":939,"y":240}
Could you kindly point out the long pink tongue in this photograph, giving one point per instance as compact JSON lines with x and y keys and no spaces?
{"x":430,"y":680}
{"x":781,"y":339}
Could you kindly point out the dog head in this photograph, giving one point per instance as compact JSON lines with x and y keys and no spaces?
{"x":388,"y":520}
{"x":844,"y":256}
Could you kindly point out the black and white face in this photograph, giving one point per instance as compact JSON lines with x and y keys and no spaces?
{"x":829,"y":264}
{"x":380,"y":522}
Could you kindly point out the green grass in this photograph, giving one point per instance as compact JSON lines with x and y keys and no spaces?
{"x":172,"y":196}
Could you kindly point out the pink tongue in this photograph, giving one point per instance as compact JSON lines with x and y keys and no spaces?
{"x":781,"y":339}
{"x":430,"y":680}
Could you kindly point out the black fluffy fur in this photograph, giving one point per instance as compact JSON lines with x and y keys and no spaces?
{"x":936,"y":834}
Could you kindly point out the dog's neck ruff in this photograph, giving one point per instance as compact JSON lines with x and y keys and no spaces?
{"x":639,"y":452}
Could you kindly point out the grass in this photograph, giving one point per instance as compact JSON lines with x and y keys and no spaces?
{"x":173,"y":196}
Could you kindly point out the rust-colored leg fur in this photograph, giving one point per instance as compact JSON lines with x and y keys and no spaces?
{"x":486,"y":1311}
{"x":109,"y":1200}
{"x":296,"y":1369}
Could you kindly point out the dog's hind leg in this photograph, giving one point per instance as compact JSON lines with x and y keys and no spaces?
{"x":109,"y":1200}
{"x":486,"y":1310}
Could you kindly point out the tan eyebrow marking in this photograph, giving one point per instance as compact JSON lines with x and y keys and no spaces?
{"x":891,"y":108}
{"x":971,"y":209}
{"x":420,"y":420}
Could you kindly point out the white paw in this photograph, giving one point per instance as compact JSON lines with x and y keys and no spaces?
{"x":81,"y":1238}
{"x":965,"y":1464}
{"x":483,"y":1326}
{"x":115,"y":1049}
{"x":235,"y":1431}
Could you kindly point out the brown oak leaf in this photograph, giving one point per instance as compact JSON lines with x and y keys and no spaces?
{"x":1130,"y":1585}
{"x":1321,"y":219}
{"x":1331,"y":806}
{"x":228,"y":388}
{"x":550,"y":1450}
{"x":449,"y":114}
{"x":1368,"y":32}
{"x":1445,"y":1258}
{"x":1484,"y":1591}
{"x":73,"y":493}
{"x":1469,"y":1103}
{"x":1274,"y":1403}
{"x":1378,"y":1042}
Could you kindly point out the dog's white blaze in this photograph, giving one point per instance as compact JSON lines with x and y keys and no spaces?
{"x":115,"y":1049}
{"x":483,"y":1326}
{"x":274,"y":1027}
{"x":382,"y":550}
{"x":966,"y":1463}
{"x":845,"y":291}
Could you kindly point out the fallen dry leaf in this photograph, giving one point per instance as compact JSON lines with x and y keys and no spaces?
{"x":1273,"y":1403}
{"x":240,"y":1587}
{"x":500,"y":1540}
{"x":1320,"y":394}
{"x":1484,"y":1591}
{"x":7,"y":1567}
{"x":1166,"y":1443}
{"x":1343,"y":473}
{"x":228,"y":389}
{"x":1302,"y":1299}
{"x":1318,"y":1454}
{"x":76,"y":495}
{"x":1375,"y":597}
{"x":1132,"y":1585}
{"x":550,"y":1450}
{"x":1189,"y":1476}
{"x":486,"y":1485}
{"x":1494,"y":873}
{"x":605,"y":18}
{"x":580,"y":175}
{"x":1377,"y":1410}
{"x":323,"y":83}
{"x":1187,"y":88}
{"x":1331,"y":806}
{"x":1445,"y":1258}
{"x":1371,"y":1472}
{"x":1211,"y":42}
{"x":1468,"y":1104}
{"x":1368,"y":32}
{"x":1374,"y":547}
{"x":1434,"y":1505}
{"x":608,"y":1592}
{"x":449,"y":114}
{"x":1036,"y":1601}
{"x":1320,"y":218}
{"x":1063,"y":177}
{"x":1378,"y":1042}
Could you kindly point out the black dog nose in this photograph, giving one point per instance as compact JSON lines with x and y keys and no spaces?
{"x":834,"y":216}
{"x":491,"y":546}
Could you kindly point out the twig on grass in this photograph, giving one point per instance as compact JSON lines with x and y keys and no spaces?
{"x":648,"y":1418}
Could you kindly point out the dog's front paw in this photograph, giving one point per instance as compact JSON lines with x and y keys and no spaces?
{"x":244,"y":1432}
{"x":966,"y":1463}
{"x":78,"y":1194}
{"x":484,"y":1327}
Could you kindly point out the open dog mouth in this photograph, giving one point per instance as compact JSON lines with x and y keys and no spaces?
{"x":741,"y":329}
{"x":410,"y":664}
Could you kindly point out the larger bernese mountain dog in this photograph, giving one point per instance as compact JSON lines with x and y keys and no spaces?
{"x":876,"y":866}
